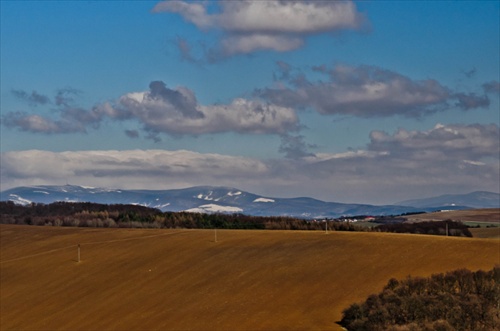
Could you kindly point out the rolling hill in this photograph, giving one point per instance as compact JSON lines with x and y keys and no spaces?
{"x":137,"y":279}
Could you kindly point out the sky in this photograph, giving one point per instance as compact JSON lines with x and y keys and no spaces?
{"x":347,"y":101}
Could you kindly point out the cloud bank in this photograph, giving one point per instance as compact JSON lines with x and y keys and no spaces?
{"x":359,"y":91}
{"x":406,"y":164}
{"x":247,"y":26}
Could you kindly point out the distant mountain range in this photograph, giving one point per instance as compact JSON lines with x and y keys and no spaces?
{"x":208,"y":199}
{"x":479,"y":199}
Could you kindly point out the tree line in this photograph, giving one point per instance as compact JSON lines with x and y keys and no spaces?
{"x":459,"y":300}
{"x":443,"y":228}
{"x":86,"y":214}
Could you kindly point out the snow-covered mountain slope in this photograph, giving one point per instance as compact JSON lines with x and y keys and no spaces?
{"x":209,"y":199}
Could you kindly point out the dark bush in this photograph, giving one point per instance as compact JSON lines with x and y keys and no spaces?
{"x":459,"y":300}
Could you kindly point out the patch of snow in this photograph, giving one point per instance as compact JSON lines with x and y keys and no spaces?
{"x":139,"y":204}
{"x":107,"y":190}
{"x":233,"y":193}
{"x":43,"y":192}
{"x":205,"y":197}
{"x":195,"y":210}
{"x":69,"y":200}
{"x":263,"y":200}
{"x":213,"y":208}
{"x":476,"y":163}
{"x":18,"y":200}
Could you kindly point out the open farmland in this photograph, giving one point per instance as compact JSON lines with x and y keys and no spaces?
{"x":488,"y":220}
{"x":487,"y":216}
{"x":134,"y":279}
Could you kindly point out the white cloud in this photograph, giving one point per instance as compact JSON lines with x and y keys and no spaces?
{"x":194,"y":12}
{"x":250,"y":26}
{"x":393,"y":167}
{"x":287,"y":16}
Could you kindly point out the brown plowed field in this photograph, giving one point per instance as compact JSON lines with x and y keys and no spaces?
{"x":490,"y":215}
{"x":183,"y":280}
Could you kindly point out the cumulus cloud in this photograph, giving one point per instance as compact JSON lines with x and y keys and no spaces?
{"x":364,"y":91}
{"x":177,"y":112}
{"x":173,"y":111}
{"x":180,"y":100}
{"x":367,"y":91}
{"x":393,"y":167}
{"x":249,"y":26}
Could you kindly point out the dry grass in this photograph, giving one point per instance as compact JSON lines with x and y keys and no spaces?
{"x":183,"y":280}
{"x":491,"y":215}
{"x":492,"y":233}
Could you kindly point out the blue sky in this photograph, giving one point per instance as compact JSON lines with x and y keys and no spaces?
{"x":363,"y":101}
